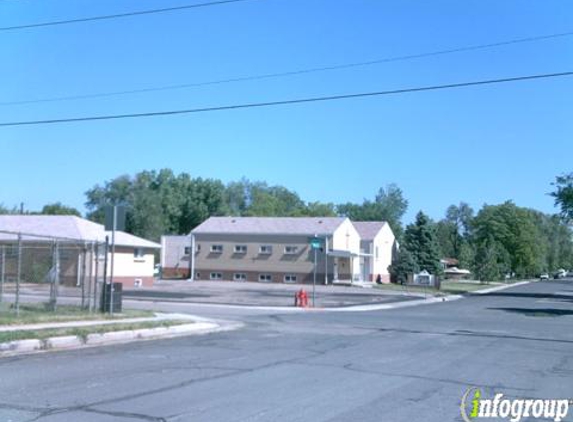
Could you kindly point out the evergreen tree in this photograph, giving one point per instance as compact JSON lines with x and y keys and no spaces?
{"x":420,"y":240}
{"x":403,"y":266}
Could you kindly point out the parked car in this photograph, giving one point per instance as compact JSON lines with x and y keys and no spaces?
{"x":544,"y":276}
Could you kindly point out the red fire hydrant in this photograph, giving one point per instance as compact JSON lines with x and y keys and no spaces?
{"x":303,"y":298}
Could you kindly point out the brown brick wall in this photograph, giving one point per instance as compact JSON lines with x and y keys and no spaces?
{"x":277,"y":277}
{"x":174,"y":273}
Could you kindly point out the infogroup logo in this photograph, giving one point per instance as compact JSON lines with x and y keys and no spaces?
{"x":474,"y":406}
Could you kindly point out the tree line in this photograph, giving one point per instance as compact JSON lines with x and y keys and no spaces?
{"x":500,"y":240}
{"x":496,"y":241}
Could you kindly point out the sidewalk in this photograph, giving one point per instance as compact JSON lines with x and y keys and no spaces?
{"x":91,"y":323}
{"x":190,"y":325}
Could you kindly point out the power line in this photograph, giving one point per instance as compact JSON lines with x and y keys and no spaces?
{"x":293,"y":72}
{"x":119,"y":15}
{"x":288,"y":102}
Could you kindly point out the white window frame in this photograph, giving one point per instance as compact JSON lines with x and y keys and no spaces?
{"x":216,"y":276}
{"x":291,"y":250}
{"x":265,"y":278}
{"x":186,"y":250}
{"x":266,"y":249}
{"x":240,"y":249}
{"x":138,"y":255}
{"x":240,"y":277}
{"x":290,"y":278}
{"x":216,"y":248}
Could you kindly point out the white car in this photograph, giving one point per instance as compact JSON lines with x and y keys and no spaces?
{"x":544,"y":276}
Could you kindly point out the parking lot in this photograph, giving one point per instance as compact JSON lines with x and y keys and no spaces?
{"x":262,"y":294}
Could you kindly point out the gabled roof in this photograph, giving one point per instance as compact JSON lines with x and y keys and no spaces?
{"x":368,"y":230}
{"x":270,"y":225}
{"x":64,"y":227}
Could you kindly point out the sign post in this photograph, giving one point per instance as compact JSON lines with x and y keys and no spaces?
{"x":315,"y":244}
{"x":114,"y":220}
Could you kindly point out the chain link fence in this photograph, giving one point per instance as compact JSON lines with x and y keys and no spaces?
{"x":50,"y":270}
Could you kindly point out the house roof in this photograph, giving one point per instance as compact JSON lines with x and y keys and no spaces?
{"x":270,"y":225}
{"x":66,"y":228}
{"x":368,"y":229}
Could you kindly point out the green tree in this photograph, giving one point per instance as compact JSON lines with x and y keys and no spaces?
{"x":513,"y":229}
{"x":420,"y":241}
{"x":159,"y":202}
{"x":492,"y":261}
{"x":563,"y":195}
{"x":389,"y":205}
{"x":403,"y":266}
{"x":319,"y":209}
{"x":57,"y":208}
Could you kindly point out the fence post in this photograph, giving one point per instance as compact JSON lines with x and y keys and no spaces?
{"x":56,"y":273}
{"x":3,"y":274}
{"x":96,"y":274}
{"x":52,"y":275}
{"x":18,"y":275}
{"x":90,"y":277}
{"x":83,"y":277}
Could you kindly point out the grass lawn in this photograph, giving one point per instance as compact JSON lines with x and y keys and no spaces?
{"x":447,"y":287}
{"x":84,"y":331}
{"x":457,"y":287}
{"x":38,"y":313}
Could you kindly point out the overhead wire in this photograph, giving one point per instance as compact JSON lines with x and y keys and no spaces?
{"x":291,"y":73}
{"x":289,"y":102}
{"x":119,"y":15}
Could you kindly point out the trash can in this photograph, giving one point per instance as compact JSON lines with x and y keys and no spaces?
{"x":107,"y":297}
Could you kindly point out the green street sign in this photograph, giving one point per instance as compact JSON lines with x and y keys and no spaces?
{"x":315,"y":242}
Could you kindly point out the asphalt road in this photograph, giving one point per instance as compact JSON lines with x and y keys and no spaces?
{"x":409,"y":364}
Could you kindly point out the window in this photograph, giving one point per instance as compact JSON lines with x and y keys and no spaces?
{"x":138,"y":253}
{"x":290,"y":278}
{"x":291,"y":250}
{"x":240,"y":277}
{"x":187,"y":250}
{"x":197,"y":275}
{"x":240,"y":248}
{"x":265,"y":249}
{"x":217,"y":248}
{"x":265,"y":278}
{"x":216,"y":276}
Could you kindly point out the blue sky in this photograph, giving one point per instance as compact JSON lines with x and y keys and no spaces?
{"x":479,"y":145}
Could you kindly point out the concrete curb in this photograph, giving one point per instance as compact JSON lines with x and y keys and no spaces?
{"x":407,"y":304}
{"x":21,"y":347}
{"x":498,"y":288}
